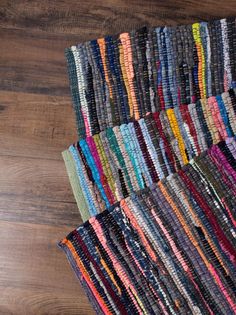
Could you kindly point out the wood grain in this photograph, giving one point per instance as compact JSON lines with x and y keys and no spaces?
{"x":34,"y":279}
{"x":37,"y":207}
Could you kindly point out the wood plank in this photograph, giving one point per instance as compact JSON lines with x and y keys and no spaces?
{"x":41,"y":302}
{"x":33,"y":177}
{"x":36,"y":190}
{"x":34,"y":62}
{"x":32,"y":57}
{"x":36,"y":118}
{"x":91,"y":19}
{"x":30,"y":282}
{"x":39,"y":210}
{"x":35,"y":129}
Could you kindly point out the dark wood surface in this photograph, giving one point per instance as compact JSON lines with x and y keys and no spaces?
{"x":37,"y":207}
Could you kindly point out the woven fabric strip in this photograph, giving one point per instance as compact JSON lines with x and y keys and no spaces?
{"x":109,"y":166}
{"x":119,"y":78}
{"x":167,"y":249}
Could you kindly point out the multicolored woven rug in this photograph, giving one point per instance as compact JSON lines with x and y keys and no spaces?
{"x":154,"y":170}
{"x":117,"y":78}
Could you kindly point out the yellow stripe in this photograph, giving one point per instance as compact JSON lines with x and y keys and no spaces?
{"x":175,"y":128}
{"x":139,"y":301}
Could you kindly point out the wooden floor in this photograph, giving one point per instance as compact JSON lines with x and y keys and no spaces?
{"x":37,"y":207}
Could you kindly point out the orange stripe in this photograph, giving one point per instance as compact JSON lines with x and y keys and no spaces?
{"x":87,"y":278}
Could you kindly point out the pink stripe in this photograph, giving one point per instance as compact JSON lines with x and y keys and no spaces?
{"x":116,"y":264}
{"x":94,"y":152}
{"x":179,"y":256}
{"x":86,"y":124}
{"x":221,"y":161}
{"x":215,"y":111}
{"x":172,"y":244}
{"x":220,"y":284}
{"x":229,"y":213}
{"x":135,"y":224}
{"x":141,"y":270}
